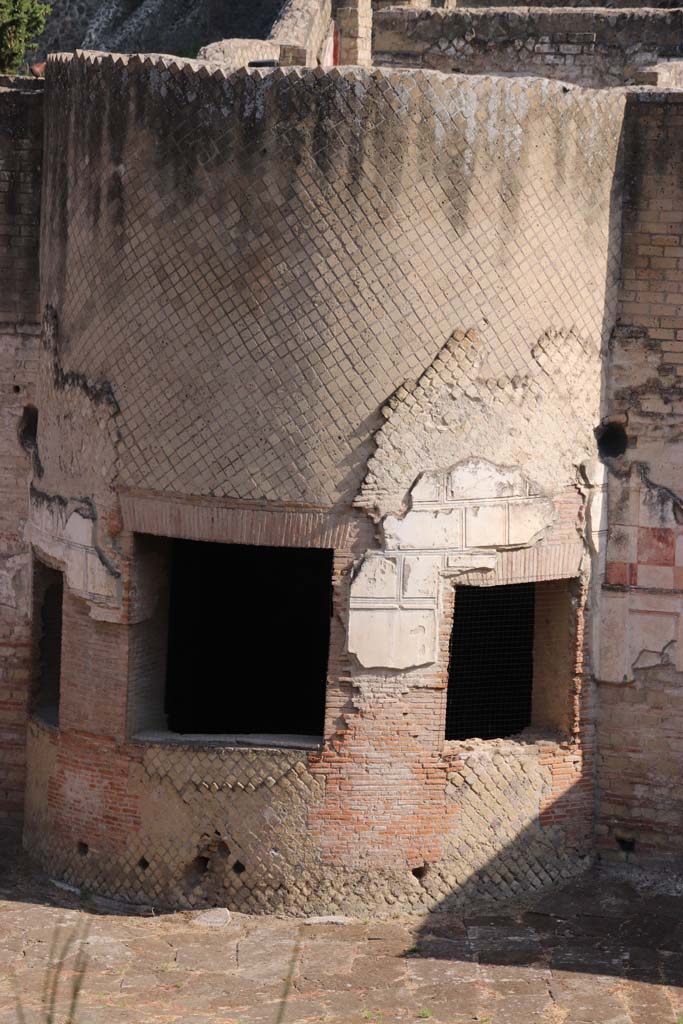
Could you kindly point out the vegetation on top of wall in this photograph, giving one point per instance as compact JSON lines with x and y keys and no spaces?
{"x":20,"y":22}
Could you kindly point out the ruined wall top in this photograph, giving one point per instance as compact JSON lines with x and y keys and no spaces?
{"x":173,"y":26}
{"x":233,"y":33}
{"x":274,"y":254}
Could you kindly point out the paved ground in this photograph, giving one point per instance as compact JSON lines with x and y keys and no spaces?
{"x":597,"y":952}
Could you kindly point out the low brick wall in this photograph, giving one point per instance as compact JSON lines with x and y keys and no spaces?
{"x":179,"y":824}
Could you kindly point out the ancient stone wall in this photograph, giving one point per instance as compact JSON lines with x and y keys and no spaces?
{"x":171,"y":26}
{"x":301,"y":34}
{"x":354,"y":20}
{"x":303,"y":309}
{"x":450,"y":5}
{"x":641,"y":648}
{"x":596,"y":48}
{"x":203,"y":199}
{"x":231,"y":34}
{"x":21,"y":121}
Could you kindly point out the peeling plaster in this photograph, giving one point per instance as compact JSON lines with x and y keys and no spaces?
{"x":458,"y":519}
{"x":63,"y":530}
{"x":653,"y":659}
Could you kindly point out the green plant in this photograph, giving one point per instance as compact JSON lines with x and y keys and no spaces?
{"x":75,"y":941}
{"x":20,"y":22}
{"x":296,"y":951}
{"x":425,"y":1014}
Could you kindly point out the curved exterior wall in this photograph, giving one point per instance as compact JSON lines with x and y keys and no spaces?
{"x":332,"y":310}
{"x":277,"y":255}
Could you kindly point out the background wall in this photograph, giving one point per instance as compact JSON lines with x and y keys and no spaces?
{"x":641,"y":658}
{"x":598,"y":48}
{"x":178,"y":26}
{"x":21,"y":127}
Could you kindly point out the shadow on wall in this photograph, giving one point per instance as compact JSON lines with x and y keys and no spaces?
{"x":583,"y":919}
{"x":598,"y":923}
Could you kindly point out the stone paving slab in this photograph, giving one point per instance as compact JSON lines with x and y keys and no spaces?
{"x":599,"y":951}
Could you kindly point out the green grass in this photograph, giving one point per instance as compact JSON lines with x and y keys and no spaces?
{"x":74,"y":942}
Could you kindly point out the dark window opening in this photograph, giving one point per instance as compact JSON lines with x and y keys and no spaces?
{"x":513,"y":659}
{"x":249,"y":631}
{"x":48,"y":597}
{"x":490,"y":673}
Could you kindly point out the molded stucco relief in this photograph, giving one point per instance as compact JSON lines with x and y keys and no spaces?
{"x":455,"y":516}
{"x":638,"y":630}
{"x":595,"y":476}
{"x":475,"y":504}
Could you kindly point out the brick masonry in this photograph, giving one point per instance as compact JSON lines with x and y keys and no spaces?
{"x":641,"y":812}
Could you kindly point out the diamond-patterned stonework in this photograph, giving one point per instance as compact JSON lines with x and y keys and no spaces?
{"x":309,"y":288}
{"x":256,"y":263}
{"x":229,"y":827}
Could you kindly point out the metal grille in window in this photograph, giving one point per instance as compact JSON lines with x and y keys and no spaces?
{"x":491,"y":668}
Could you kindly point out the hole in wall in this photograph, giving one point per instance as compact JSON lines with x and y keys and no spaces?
{"x":625,"y":844}
{"x":222,"y":851}
{"x":420,"y":872}
{"x":28,"y":428}
{"x":83,"y":849}
{"x":16,"y":389}
{"x":143,"y":863}
{"x":612,"y":440}
{"x":238,"y":867}
{"x":195,"y":871}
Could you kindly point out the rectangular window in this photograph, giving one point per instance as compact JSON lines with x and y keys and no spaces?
{"x":48,"y":597}
{"x":248,"y":644}
{"x":512,"y":660}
